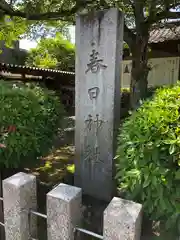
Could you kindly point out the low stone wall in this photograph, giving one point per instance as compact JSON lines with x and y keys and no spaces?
{"x":122,"y":218}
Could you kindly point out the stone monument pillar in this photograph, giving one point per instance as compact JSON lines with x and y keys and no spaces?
{"x":99,"y":42}
{"x":19,"y":195}
{"x":63,"y":212}
{"x":122,"y":220}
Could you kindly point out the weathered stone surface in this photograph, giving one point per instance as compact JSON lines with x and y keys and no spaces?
{"x":122,"y":220}
{"x":99,"y":39}
{"x":19,"y":194}
{"x":63,"y":212}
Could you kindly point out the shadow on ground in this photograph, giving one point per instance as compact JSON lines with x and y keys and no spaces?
{"x":58,"y":167}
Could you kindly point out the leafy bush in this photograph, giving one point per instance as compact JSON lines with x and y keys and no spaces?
{"x":125,"y":100}
{"x":148,"y":156}
{"x":29,"y":119}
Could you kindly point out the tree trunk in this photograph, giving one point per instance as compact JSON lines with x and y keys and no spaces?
{"x":140,"y":70}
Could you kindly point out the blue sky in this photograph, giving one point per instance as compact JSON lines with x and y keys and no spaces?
{"x":27,"y":44}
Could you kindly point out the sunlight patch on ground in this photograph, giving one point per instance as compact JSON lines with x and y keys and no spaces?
{"x":53,"y":168}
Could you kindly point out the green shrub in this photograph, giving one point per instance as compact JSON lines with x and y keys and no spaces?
{"x":148,"y":156}
{"x":125,"y":100}
{"x":29,"y":119}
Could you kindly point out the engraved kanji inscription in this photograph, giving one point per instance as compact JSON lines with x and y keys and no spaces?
{"x":93,"y":93}
{"x":89,"y":122}
{"x":98,"y":123}
{"x":95,"y":63}
{"x":95,"y":123}
{"x":92,"y":154}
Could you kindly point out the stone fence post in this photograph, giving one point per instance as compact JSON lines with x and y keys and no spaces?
{"x":19,"y":195}
{"x":63,"y":212}
{"x":122,"y":220}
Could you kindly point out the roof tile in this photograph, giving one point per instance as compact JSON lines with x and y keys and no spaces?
{"x":164,"y":34}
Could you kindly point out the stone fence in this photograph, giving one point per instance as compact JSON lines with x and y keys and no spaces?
{"x":122,"y":218}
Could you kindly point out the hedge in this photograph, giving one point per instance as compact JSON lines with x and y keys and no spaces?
{"x":29,"y":119}
{"x":148,"y":157}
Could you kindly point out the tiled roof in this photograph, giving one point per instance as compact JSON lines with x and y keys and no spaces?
{"x":9,"y":67}
{"x":165,"y":34}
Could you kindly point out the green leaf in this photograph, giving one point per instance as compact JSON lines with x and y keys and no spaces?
{"x":35,"y":126}
{"x":116,"y":157}
{"x":177,"y":175}
{"x":172,"y":149}
{"x":146,"y":182}
{"x":55,"y":52}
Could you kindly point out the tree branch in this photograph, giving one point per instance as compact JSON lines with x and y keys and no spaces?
{"x":5,"y":7}
{"x":166,"y":14}
{"x":152,"y":9}
{"x":139,"y":13}
{"x":104,"y":3}
{"x":61,"y":14}
{"x":129,"y":36}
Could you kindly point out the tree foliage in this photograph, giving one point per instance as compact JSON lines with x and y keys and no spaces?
{"x":36,"y":30}
{"x":148,"y":159}
{"x":138,"y":13}
{"x":140,"y":17}
{"x":11,"y":29}
{"x":55,"y":53}
{"x":29,"y":119}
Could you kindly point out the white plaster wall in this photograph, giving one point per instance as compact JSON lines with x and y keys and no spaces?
{"x":163,"y":71}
